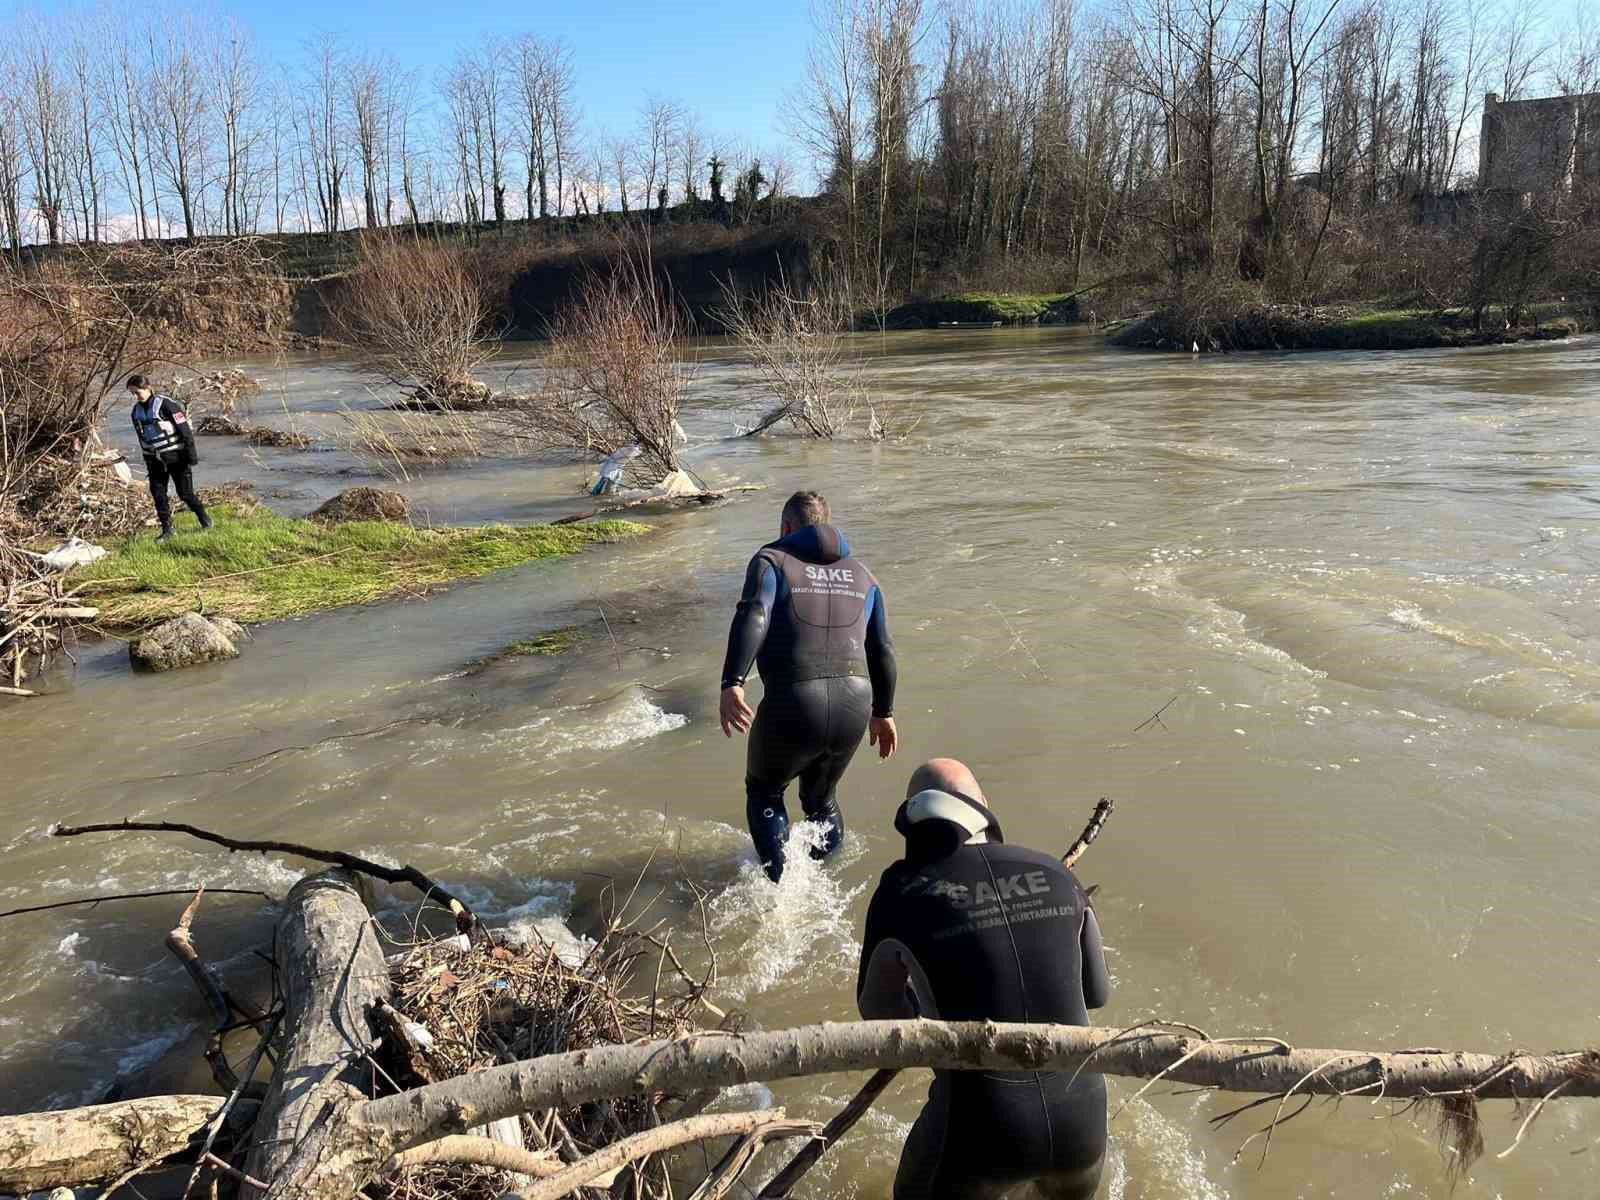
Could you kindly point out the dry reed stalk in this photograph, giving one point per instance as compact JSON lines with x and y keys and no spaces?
{"x":398,"y":441}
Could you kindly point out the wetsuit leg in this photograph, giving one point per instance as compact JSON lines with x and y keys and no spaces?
{"x":158,"y":489}
{"x":991,"y":1135}
{"x":932,"y":1166}
{"x":849,"y":707}
{"x":1069,"y":1185}
{"x":786,"y":735}
{"x":183,"y":483}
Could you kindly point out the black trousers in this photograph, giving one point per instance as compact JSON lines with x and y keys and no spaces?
{"x":986,"y":1136}
{"x":808,"y":731}
{"x":182,"y":480}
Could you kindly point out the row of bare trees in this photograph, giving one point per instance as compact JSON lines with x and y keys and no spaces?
{"x":1188,"y":134}
{"x":174,"y":123}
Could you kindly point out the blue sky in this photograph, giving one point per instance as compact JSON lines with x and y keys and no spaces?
{"x":731,"y":62}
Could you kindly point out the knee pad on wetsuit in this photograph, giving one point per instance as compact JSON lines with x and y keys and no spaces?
{"x":768,"y":819}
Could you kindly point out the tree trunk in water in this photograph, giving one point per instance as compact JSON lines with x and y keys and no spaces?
{"x":333,"y":972}
{"x":81,"y":1146}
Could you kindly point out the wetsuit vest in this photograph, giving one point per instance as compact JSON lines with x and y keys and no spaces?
{"x":820,"y":614}
{"x":158,"y":437}
{"x":996,"y":933}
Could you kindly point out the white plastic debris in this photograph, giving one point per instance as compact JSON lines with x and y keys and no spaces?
{"x":418,"y":1034}
{"x":611,"y":470}
{"x":679,"y":484}
{"x":679,"y":437}
{"x":74,"y":552}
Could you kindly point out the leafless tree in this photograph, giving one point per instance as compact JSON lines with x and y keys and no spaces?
{"x":370,"y":88}
{"x":415,"y":312}
{"x":829,"y":117}
{"x":13,"y":157}
{"x":544,"y":86}
{"x":124,"y":104}
{"x":619,"y":162}
{"x":325,"y":127}
{"x":45,"y":108}
{"x":616,"y":374}
{"x":659,"y":119}
{"x":1520,"y":48}
{"x":235,"y":83}
{"x":181,"y":110}
{"x":690,"y":152}
{"x":85,"y":141}
{"x":476,"y":92}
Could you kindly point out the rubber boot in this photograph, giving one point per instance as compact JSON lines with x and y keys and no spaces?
{"x":205,"y":519}
{"x":166,"y":532}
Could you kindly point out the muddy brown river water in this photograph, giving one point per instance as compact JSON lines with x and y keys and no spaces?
{"x":1366,"y":584}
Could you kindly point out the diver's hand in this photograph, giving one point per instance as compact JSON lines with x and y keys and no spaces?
{"x":882,"y":734}
{"x":735,"y":713}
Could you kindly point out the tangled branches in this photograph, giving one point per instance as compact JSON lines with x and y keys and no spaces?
{"x":616,"y":376}
{"x":521,"y":999}
{"x":417,"y":317}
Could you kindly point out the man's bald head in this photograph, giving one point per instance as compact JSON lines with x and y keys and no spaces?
{"x":945,"y":775}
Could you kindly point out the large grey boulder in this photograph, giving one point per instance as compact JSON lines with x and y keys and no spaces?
{"x":186,"y":641}
{"x":364,"y":504}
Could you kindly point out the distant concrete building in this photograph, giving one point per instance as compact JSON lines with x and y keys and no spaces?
{"x":1539,"y":147}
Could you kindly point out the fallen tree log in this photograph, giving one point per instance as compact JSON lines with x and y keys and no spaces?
{"x":332,"y":971}
{"x":344,"y":1152}
{"x":1261,"y":1066}
{"x":97,"y":1144}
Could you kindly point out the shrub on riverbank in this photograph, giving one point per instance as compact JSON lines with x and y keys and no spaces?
{"x":985,"y":308}
{"x":266,"y":567}
{"x":418,"y":316}
{"x":1301,"y":327}
{"x":616,"y":375}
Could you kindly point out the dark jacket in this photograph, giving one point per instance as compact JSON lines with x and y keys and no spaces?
{"x":164,"y":431}
{"x":811,"y":611}
{"x":991,"y":932}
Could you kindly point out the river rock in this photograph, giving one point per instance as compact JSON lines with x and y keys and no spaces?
{"x":186,"y":641}
{"x":364,"y":504}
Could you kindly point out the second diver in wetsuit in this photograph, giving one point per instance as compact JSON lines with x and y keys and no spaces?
{"x":968,"y":927}
{"x":813,"y":619}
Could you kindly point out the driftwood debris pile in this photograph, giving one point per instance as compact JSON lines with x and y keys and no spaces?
{"x":489,"y":1067}
{"x":457,"y":1009}
{"x":37,"y":610}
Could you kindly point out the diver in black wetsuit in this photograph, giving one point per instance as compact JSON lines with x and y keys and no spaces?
{"x":968,"y":928}
{"x":813,"y":619}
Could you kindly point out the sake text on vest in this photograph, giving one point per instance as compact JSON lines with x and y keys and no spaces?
{"x":831,"y":574}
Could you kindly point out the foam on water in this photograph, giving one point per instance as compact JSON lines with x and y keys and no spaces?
{"x":602,"y":725}
{"x":803,"y":921}
{"x":1169,"y":1163}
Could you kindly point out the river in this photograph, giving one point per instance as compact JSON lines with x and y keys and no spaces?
{"x":1360,"y":589}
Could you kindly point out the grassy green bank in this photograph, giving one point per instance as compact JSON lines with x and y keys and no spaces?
{"x":263,"y":567}
{"x":985,"y":308}
{"x":1286,"y":327}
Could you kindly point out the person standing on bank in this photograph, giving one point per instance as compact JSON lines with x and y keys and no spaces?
{"x":167,"y":439}
{"x":968,"y":928}
{"x":813,"y":619}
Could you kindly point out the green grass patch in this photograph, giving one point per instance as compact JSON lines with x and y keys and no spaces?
{"x":1289,"y":327}
{"x":546,"y":645}
{"x":264,"y":567}
{"x":985,"y":308}
{"x":1385,"y":329}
